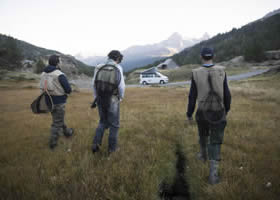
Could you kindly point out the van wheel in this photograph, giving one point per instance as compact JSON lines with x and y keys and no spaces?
{"x":161,"y":82}
{"x":144,"y":83}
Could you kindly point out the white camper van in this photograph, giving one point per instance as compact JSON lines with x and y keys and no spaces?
{"x":153,"y":78}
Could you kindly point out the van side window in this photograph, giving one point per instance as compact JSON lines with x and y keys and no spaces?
{"x":157,"y":75}
{"x":148,"y":75}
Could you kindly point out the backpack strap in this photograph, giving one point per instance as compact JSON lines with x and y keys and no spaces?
{"x":210,"y":82}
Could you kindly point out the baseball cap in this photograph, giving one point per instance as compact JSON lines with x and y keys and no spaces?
{"x":207,"y":52}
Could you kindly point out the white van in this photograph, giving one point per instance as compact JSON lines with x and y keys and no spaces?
{"x":153,"y":78}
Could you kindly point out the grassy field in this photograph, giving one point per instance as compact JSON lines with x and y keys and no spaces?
{"x":154,"y":137}
{"x":17,"y":76}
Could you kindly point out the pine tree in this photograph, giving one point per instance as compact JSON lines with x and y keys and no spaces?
{"x":39,"y":67}
{"x":10,"y":55}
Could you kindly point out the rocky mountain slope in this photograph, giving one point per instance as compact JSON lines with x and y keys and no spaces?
{"x":140,"y":55}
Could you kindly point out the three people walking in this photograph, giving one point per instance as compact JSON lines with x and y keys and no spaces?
{"x":208,"y":87}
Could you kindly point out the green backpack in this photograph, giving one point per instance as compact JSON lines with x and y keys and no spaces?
{"x":212,"y":108}
{"x":107,"y":80}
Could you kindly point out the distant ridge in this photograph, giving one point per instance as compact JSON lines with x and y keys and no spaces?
{"x":272,"y":13}
{"x":140,"y":55}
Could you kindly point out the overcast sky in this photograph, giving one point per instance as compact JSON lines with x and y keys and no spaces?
{"x":94,"y":27}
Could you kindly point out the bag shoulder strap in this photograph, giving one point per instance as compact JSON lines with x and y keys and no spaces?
{"x":47,"y":92}
{"x":210,"y":82}
{"x":46,"y":85}
{"x":108,"y":65}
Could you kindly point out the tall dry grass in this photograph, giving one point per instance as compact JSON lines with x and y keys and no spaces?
{"x":152,"y":126}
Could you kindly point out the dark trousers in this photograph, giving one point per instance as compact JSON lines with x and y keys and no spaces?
{"x":212,"y":136}
{"x":109,"y":113}
{"x":58,"y":124}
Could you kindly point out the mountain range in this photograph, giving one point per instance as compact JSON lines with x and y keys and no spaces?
{"x":251,"y":41}
{"x":140,"y":55}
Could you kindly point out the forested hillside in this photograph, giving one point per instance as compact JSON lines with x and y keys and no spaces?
{"x":10,"y":53}
{"x":251,"y":41}
{"x":14,"y":52}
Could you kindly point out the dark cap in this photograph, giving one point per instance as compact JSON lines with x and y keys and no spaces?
{"x":207,"y":52}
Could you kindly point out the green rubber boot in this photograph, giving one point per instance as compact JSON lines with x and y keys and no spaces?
{"x":202,"y":154}
{"x":213,"y":176}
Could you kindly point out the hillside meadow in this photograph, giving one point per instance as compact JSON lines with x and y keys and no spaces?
{"x":154,"y":139}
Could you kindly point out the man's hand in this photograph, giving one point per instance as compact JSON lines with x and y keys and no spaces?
{"x":93,"y":105}
{"x":190,"y":118}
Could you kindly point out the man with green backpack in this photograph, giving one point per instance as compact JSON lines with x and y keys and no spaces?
{"x":108,"y":91}
{"x":210,"y":89}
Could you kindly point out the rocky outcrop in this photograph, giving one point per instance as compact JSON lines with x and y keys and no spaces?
{"x":68,"y":65}
{"x":273,"y":55}
{"x":235,"y":62}
{"x":168,"y":64}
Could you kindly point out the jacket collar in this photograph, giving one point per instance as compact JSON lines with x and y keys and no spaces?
{"x":50,"y":69}
{"x":207,"y":65}
{"x":110,"y":61}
